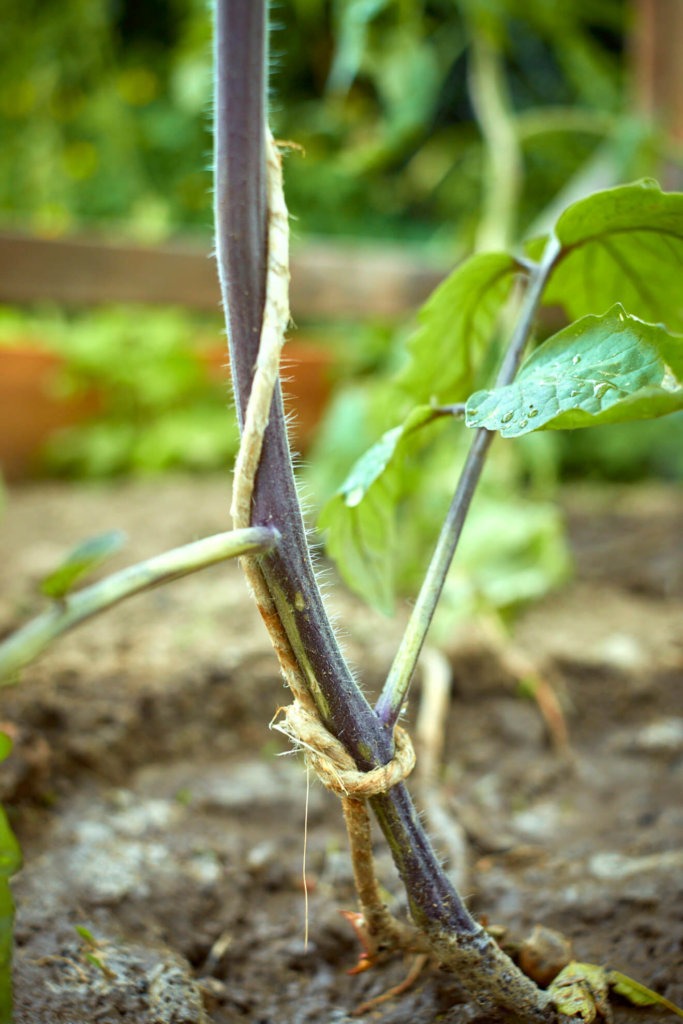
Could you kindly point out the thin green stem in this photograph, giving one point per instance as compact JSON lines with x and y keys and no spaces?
{"x":29,"y":641}
{"x":395,"y":689}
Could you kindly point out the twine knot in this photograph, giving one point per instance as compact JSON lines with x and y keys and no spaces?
{"x":332,"y":763}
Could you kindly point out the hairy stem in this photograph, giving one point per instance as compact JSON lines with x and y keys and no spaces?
{"x":294,"y":608}
{"x":287,"y":570}
{"x":241,"y":240}
{"x":395,"y":689}
{"x":29,"y":641}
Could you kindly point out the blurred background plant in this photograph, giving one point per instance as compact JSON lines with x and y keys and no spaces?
{"x":103,"y":116}
{"x":157,"y":406}
{"x":446,"y":126}
{"x":105,"y":111}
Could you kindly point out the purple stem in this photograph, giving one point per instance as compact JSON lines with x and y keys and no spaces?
{"x":241,"y":234}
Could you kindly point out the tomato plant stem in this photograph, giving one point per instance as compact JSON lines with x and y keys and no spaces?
{"x":287,"y":570}
{"x":289,"y":597}
{"x":395,"y":690}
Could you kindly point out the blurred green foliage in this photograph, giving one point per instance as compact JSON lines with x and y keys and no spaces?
{"x":513,"y":548}
{"x":105,"y":109}
{"x":161,"y":409}
{"x":402,"y":107}
{"x":382,"y":95}
{"x":102,"y":115}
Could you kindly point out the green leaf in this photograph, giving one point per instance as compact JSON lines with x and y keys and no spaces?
{"x":5,"y":746}
{"x":638,"y":994}
{"x":85,"y":934}
{"x":10,"y":861}
{"x":360,"y":518}
{"x":621,"y":245}
{"x":81,"y":561}
{"x":456,"y":325}
{"x":96,"y":961}
{"x":10,"y":854}
{"x":602,"y":369}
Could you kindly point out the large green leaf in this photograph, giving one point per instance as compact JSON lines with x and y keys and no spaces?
{"x":455,"y":326}
{"x":360,"y":518}
{"x":602,"y":369}
{"x":621,"y":245}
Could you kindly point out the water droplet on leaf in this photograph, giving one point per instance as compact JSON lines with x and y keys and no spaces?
{"x":576,"y":359}
{"x":522,"y":424}
{"x":532,"y":413}
{"x":507,"y":417}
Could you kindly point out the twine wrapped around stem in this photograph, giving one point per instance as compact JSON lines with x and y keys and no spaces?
{"x":377,"y":928}
{"x":302,"y":724}
{"x":333,"y":764}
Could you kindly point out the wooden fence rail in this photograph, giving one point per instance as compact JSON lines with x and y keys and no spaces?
{"x":329,"y":280}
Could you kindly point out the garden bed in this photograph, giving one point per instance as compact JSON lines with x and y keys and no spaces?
{"x":156,"y":817}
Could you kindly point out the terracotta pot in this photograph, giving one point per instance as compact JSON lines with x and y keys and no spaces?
{"x":32,"y":408}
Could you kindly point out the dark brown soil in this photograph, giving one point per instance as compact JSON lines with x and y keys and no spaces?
{"x":154,"y":813}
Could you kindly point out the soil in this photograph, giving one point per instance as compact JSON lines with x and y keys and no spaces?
{"x":156,"y":816}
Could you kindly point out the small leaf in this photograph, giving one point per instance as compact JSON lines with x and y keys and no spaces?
{"x":6,"y":947}
{"x":456,"y":324}
{"x":602,"y":369}
{"x":638,"y":994}
{"x":85,"y":934}
{"x":625,"y":245}
{"x":580,"y":991}
{"x":80,"y":562}
{"x":360,"y":518}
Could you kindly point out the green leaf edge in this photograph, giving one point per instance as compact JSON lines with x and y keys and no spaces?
{"x":601,"y":416}
{"x":639,"y":994}
{"x":361,"y":485}
{"x":80,"y":562}
{"x":501,"y":265}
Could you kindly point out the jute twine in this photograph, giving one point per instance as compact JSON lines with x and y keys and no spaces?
{"x":331,"y":762}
